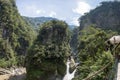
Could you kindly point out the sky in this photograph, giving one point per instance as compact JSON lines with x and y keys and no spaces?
{"x":67,"y":10}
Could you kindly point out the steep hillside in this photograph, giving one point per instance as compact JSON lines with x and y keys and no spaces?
{"x":96,"y":27}
{"x":47,"y":56}
{"x":105,"y":16}
{"x":74,"y":40}
{"x":15,"y":34}
{"x":92,"y":54}
{"x":37,"y":21}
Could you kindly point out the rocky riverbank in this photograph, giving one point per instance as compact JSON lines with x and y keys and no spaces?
{"x":13,"y":73}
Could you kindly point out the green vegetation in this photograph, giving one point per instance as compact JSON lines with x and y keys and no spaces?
{"x":92,"y":48}
{"x":74,"y":40}
{"x":15,"y":35}
{"x":92,"y":54}
{"x":47,"y":56}
{"x":35,"y":22}
{"x":105,"y":16}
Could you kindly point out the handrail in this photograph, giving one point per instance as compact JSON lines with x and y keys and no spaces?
{"x":97,"y":72}
{"x":104,"y":67}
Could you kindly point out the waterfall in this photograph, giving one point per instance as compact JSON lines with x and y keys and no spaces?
{"x":68,"y":75}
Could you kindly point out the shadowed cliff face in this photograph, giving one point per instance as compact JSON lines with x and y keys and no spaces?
{"x":105,"y":16}
{"x":47,"y":56}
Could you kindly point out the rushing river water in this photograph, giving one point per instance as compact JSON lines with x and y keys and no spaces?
{"x":68,"y":75}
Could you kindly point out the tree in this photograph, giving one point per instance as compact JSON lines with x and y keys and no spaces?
{"x":47,"y":56}
{"x":15,"y":33}
{"x":92,"y":54}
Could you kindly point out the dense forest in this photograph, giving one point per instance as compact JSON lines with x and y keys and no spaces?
{"x":15,"y":34}
{"x":44,"y":53}
{"x":95,"y":28}
{"x":35,"y":22}
{"x":92,"y":53}
{"x":46,"y":58}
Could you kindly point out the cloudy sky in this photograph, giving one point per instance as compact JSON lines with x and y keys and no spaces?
{"x":67,"y":10}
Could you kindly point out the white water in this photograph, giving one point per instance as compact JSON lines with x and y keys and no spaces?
{"x":18,"y":71}
{"x":69,"y":76}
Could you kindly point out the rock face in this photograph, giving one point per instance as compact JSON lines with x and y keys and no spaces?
{"x":105,"y":16}
{"x":47,"y":56}
{"x":74,"y":40}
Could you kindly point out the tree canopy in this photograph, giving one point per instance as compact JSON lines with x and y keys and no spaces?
{"x":92,"y":53}
{"x":15,"y":34}
{"x":51,"y":48}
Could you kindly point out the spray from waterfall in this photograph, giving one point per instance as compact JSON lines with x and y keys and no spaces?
{"x":68,"y":75}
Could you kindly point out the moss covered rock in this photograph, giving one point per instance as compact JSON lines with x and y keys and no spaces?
{"x":46,"y":57}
